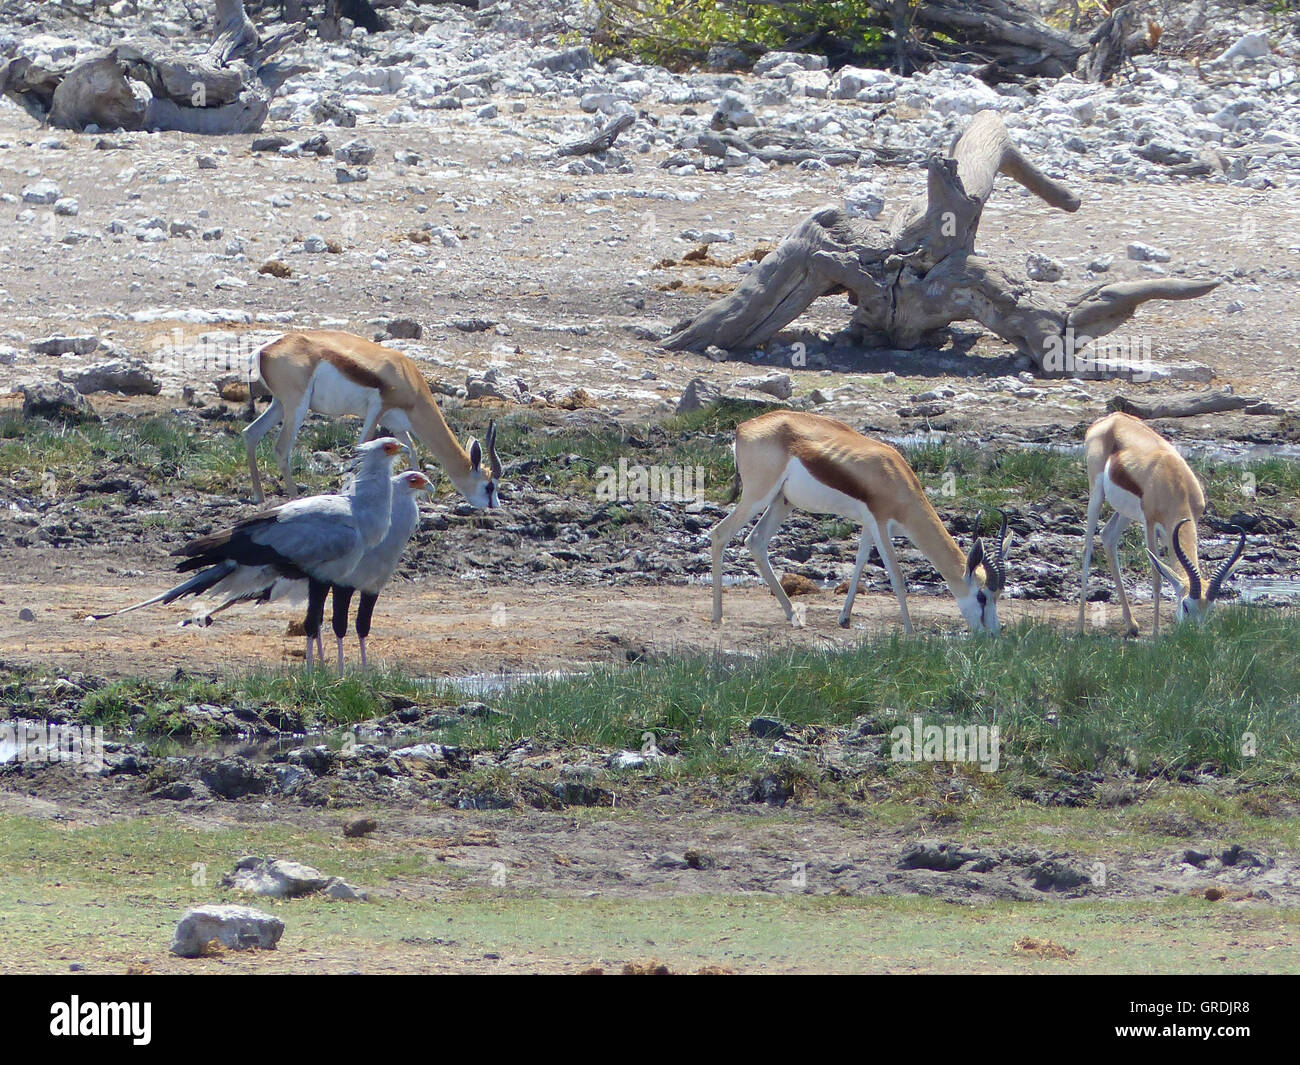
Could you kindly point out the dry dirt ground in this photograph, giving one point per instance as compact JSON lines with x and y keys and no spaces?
{"x":549,"y":263}
{"x":432,"y":628}
{"x":765,"y":890}
{"x":565,"y":267}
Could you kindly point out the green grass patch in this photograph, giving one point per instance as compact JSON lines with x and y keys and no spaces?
{"x":108,"y":896}
{"x":1270,"y":485}
{"x":176,"y":454}
{"x":156,"y":707}
{"x":1220,"y":697}
{"x":1061,"y":701}
{"x":41,"y":454}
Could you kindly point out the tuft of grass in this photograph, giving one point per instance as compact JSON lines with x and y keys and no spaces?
{"x":720,"y":417}
{"x":1204,"y":696}
{"x":1222,"y":697}
{"x":1000,"y":478}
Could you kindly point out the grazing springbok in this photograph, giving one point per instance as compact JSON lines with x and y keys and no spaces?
{"x":336,"y":373}
{"x":1140,"y":474}
{"x":787,"y":460}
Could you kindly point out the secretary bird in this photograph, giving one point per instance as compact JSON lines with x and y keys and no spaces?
{"x":378,"y":565}
{"x":372,"y":573}
{"x":318,"y":540}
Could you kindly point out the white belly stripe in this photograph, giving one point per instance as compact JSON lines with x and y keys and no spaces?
{"x":1121,"y":499}
{"x":335,"y":395}
{"x":807,"y":493}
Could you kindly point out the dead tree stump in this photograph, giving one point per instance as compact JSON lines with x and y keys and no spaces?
{"x":910,"y":284}
{"x":227,"y":89}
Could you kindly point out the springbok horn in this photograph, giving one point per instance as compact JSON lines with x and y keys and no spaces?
{"x":977,"y":547}
{"x":1193,"y":574}
{"x":493,"y":459}
{"x":1000,"y":563}
{"x":1221,"y":574}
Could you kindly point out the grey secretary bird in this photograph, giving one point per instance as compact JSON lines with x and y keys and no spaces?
{"x":372,"y":573}
{"x":319,"y":540}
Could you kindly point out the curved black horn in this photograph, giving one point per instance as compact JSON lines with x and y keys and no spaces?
{"x":1221,"y":574}
{"x":1193,"y":574}
{"x":1000,"y":564}
{"x":493,"y":460}
{"x":976,"y":555}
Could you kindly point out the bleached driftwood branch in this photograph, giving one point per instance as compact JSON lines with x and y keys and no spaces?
{"x":910,"y":284}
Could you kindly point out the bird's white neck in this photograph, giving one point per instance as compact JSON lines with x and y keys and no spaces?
{"x":372,"y":495}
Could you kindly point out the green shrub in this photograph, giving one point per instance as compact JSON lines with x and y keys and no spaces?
{"x":677,"y":33}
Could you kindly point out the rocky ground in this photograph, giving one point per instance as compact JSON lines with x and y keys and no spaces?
{"x":531,"y":275}
{"x":442,"y":199}
{"x":414,"y":178}
{"x":519,"y":807}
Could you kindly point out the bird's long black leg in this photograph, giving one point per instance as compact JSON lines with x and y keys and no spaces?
{"x":364,"y":612}
{"x":316,"y":593}
{"x":342,"y":597}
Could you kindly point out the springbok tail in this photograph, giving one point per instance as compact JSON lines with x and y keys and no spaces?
{"x":196,"y":585}
{"x":735,"y":489}
{"x":255,"y":373}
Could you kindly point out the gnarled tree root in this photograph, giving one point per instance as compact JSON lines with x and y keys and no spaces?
{"x":924,"y":274}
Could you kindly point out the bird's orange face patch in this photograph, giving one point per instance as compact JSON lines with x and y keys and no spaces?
{"x":392,"y":448}
{"x":417,"y":481}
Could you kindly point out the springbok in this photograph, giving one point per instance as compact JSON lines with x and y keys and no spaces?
{"x":1140,"y":474}
{"x":787,"y":460}
{"x":335,"y":373}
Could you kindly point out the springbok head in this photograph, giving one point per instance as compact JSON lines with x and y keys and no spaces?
{"x":986,"y":577}
{"x":1188,"y":590}
{"x":480,"y":486}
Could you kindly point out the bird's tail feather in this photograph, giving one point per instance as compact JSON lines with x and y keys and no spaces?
{"x":196,"y":585}
{"x":280,"y":589}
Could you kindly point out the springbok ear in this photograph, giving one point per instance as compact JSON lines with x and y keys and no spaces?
{"x":976,"y":557}
{"x":1180,"y":588}
{"x":475,"y":455}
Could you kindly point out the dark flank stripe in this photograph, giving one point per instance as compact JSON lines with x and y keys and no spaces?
{"x":830,"y":473}
{"x":835,"y":476}
{"x":351,"y":369}
{"x":1122,"y":478}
